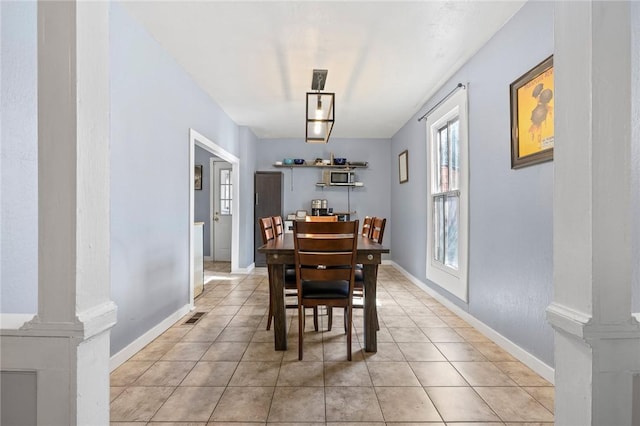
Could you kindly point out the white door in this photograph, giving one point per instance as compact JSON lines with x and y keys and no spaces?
{"x":221,"y":209}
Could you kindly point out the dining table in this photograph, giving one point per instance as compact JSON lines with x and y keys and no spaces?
{"x":280,"y":252}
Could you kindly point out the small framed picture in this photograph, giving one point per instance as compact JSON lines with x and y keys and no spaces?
{"x":403,"y":166}
{"x":197,"y":184}
{"x":532,"y":133}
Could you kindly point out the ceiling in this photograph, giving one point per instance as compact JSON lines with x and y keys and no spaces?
{"x":385,"y":58}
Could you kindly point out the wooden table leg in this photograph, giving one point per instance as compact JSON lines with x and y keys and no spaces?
{"x":276,"y":293}
{"x":370,"y":272}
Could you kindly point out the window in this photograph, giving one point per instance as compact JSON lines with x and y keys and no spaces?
{"x":447,"y":212}
{"x":225,"y":191}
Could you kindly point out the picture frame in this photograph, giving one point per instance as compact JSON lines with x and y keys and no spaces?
{"x":197,"y":184}
{"x":532,"y":130}
{"x":403,"y":166}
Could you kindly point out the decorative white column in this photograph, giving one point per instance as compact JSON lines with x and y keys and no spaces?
{"x":67,"y":343}
{"x":597,"y":342}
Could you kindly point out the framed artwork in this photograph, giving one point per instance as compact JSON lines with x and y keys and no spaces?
{"x":532,"y":132}
{"x":403,"y":166}
{"x":198,"y":177}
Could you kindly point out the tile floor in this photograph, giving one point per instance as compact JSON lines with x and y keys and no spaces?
{"x":431,"y":367}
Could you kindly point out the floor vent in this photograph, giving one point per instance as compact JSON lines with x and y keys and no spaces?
{"x":194,"y":318}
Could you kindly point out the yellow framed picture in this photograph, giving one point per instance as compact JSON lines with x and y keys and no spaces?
{"x":532,"y":133}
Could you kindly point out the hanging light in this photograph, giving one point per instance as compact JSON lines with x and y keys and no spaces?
{"x":320,"y":110}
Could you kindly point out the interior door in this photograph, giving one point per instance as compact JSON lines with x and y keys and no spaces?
{"x":222,"y":211}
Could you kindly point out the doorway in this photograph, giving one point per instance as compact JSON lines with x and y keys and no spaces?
{"x":197,"y":139}
{"x":221,"y":209}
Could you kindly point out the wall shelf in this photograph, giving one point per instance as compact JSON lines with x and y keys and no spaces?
{"x":323,"y":166}
{"x":311,"y":165}
{"x":324,"y":185}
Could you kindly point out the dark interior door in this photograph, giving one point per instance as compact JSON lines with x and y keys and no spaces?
{"x":267,"y":202}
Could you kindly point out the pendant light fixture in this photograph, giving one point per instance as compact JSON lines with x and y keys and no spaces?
{"x":320,"y":110}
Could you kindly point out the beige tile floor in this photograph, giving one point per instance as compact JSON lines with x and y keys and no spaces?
{"x":431,"y":368}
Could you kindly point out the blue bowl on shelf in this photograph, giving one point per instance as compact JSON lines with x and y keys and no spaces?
{"x":287,"y":161}
{"x":340,"y":161}
{"x":298,"y":161}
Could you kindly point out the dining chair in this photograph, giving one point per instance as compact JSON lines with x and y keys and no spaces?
{"x":289,"y":269}
{"x":266,"y":227}
{"x":278,"y":225}
{"x":377,"y":229}
{"x":376,"y":233}
{"x":290,"y":288}
{"x":366,"y":233}
{"x":366,"y":226}
{"x":332,"y":218}
{"x":325,"y":255}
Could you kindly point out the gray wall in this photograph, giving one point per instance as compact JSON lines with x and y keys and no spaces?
{"x":248,"y":149}
{"x":19,"y":161}
{"x":372,"y":199}
{"x":153,"y":105}
{"x":202,"y":201}
{"x":510,"y":242}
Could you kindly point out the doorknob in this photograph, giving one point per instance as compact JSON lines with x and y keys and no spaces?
{"x":216,"y":219}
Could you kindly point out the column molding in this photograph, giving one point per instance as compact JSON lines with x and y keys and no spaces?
{"x":90,"y":323}
{"x":67,"y":342}
{"x":597,"y":338}
{"x":577,"y":324}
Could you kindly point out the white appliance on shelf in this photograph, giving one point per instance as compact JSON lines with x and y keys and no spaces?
{"x":288,"y":226}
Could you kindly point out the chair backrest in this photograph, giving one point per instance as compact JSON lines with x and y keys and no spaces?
{"x":332,"y":218}
{"x":278,"y":225}
{"x":377,"y":229}
{"x":266,"y":226}
{"x":366,"y":226}
{"x":325,"y":251}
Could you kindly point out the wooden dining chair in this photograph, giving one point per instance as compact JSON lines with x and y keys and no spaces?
{"x":376,"y":233}
{"x":325,"y":255}
{"x":366,"y":226}
{"x":278,"y":225}
{"x":366,"y":233}
{"x":377,"y":229}
{"x":266,"y":227}
{"x":290,"y":288}
{"x":332,"y":218}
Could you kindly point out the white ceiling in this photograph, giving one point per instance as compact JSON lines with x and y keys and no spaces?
{"x":385,"y":58}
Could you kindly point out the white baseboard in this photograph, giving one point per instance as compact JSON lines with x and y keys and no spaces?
{"x":521,"y":354}
{"x":246,"y":270}
{"x":142,"y":341}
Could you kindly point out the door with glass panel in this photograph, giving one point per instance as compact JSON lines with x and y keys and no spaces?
{"x":222,"y":211}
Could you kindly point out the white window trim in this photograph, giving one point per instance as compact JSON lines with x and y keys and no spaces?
{"x":454,"y":283}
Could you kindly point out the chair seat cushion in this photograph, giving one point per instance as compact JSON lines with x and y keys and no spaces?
{"x":325,"y":289}
{"x":290,"y":274}
{"x":358,"y":274}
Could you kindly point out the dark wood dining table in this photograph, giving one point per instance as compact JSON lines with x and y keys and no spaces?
{"x":279,"y":252}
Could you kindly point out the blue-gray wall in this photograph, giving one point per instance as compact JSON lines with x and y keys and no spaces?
{"x":248,"y":149}
{"x":154,"y":102}
{"x":372,"y":199}
{"x":19,"y":161}
{"x":511,"y":228}
{"x":202,"y":201}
